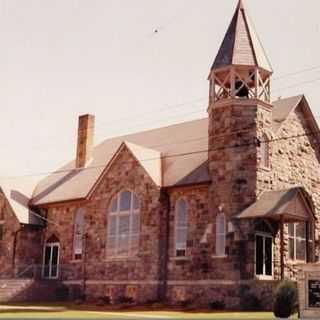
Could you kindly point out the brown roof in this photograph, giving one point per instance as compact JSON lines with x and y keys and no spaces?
{"x":282,"y":109}
{"x":182,"y":148}
{"x":18,"y":192}
{"x":293,"y":204}
{"x":241,"y":45}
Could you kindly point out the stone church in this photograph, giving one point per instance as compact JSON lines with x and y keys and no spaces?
{"x":216,"y":209}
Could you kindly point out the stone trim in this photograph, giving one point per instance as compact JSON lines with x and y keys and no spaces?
{"x":170,"y":283}
{"x":124,"y":282}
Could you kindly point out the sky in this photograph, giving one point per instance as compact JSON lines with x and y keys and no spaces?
{"x":134,"y":64}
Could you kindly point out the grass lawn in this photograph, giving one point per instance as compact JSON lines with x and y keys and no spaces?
{"x":69,"y":311}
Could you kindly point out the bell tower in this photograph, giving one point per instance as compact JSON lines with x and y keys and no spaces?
{"x":240,"y":115}
{"x":241,"y":68}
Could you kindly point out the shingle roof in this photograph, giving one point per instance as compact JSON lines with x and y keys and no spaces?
{"x":282,"y":108}
{"x":182,"y":147}
{"x":18,"y":192}
{"x":272,"y":204}
{"x":178,"y":144}
{"x":241,"y":45}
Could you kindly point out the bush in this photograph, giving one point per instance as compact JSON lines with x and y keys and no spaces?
{"x":250,"y":302}
{"x":104,"y":300}
{"x":125,"y":300}
{"x":217,"y":305}
{"x":285,"y":299}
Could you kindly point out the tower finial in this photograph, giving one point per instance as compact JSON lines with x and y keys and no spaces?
{"x":240,"y":4}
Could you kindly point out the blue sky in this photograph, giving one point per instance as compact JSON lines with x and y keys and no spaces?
{"x":63,"y":58}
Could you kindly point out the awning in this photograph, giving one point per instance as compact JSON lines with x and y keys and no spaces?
{"x":292,"y":205}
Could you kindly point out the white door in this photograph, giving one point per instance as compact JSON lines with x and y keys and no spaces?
{"x":51,"y":261}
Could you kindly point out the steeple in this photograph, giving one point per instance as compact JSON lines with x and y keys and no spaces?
{"x":242,"y":53}
{"x":241,"y":45}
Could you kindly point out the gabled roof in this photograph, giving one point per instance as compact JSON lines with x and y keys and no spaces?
{"x":241,"y":45}
{"x":282,"y":109}
{"x":293,"y":204}
{"x":18,"y":193}
{"x":183,"y":148}
{"x":148,"y":158}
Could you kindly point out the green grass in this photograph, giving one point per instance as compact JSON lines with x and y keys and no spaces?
{"x":69,"y":311}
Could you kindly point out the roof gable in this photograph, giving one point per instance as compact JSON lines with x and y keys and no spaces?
{"x":18,"y":193}
{"x":293,"y":204}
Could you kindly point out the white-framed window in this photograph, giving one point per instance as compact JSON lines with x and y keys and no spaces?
{"x":264,"y":255}
{"x":181,"y":228}
{"x":78,"y":234}
{"x":265,"y":151}
{"x":221,"y":235}
{"x":297,"y":241}
{"x":123,"y":225}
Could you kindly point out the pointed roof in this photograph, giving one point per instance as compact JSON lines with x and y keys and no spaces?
{"x":241,"y":45}
{"x":293,"y":204}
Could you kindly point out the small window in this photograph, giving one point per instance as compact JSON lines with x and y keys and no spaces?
{"x":297,"y":241}
{"x":78,"y":234}
{"x":265,"y":152}
{"x":181,"y":228}
{"x":221,"y":235}
{"x":123,"y":225}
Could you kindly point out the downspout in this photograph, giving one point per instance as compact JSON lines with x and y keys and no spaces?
{"x":165,"y":199}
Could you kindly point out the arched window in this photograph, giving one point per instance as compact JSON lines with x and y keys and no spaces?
{"x":220,"y":235}
{"x":181,"y":228}
{"x":123,"y":225}
{"x":265,"y":152}
{"x":78,"y":234}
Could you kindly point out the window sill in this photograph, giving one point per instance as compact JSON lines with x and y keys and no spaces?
{"x":76,"y":261}
{"x":180,"y":258}
{"x":119,"y":259}
{"x":264,"y":277}
{"x":296,"y":262}
{"x":219,"y":257}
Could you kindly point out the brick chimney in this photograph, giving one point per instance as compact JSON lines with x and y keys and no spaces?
{"x":85,"y":140}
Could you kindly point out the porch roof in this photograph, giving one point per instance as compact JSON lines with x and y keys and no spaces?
{"x":290,"y":205}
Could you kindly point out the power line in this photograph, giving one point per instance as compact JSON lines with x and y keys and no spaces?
{"x":256,"y":142}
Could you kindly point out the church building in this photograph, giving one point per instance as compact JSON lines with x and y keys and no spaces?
{"x":216,"y":209}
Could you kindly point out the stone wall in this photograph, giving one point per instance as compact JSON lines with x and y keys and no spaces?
{"x":21,"y":245}
{"x":294,"y":162}
{"x":101,"y":271}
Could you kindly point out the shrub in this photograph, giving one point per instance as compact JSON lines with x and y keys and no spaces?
{"x":125,"y":300}
{"x":217,"y":305}
{"x":250,"y":302}
{"x":103,"y":300}
{"x":285,"y":299}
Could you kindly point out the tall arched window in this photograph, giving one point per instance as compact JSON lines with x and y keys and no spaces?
{"x":78,"y":234}
{"x":220,"y":235}
{"x":181,"y":228}
{"x":265,"y":152}
{"x":123,"y":225}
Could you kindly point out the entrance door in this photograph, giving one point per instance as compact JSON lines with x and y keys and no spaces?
{"x":51,"y":261}
{"x":264,"y":259}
